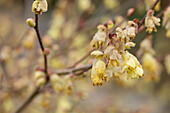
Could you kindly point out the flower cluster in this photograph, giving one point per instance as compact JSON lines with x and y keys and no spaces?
{"x":114,"y":61}
{"x":166,"y":21}
{"x":151,"y":22}
{"x":61,"y":84}
{"x":151,"y":66}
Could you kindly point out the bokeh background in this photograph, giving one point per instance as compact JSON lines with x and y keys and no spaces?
{"x":67,"y":29}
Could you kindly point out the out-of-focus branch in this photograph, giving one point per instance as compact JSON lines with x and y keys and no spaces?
{"x":73,"y":70}
{"x":30,"y":98}
{"x":162,"y":12}
{"x":36,"y":91}
{"x":81,"y":59}
{"x":127,"y":16}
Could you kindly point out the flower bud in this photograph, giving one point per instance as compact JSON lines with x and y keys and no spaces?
{"x":55,"y":78}
{"x":71,"y":75}
{"x":130,"y":12}
{"x":31,"y":22}
{"x":110,"y":24}
{"x":40,"y":82}
{"x":39,"y":74}
{"x":46,"y":51}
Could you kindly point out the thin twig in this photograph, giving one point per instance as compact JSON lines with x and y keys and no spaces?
{"x":72,"y":70}
{"x":127,"y":16}
{"x":36,"y":91}
{"x":41,"y":44}
{"x":162,"y":12}
{"x":82,"y":59}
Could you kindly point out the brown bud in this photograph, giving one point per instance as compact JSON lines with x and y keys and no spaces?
{"x":130,"y":12}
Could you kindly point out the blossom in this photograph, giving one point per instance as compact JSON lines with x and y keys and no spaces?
{"x":146,"y":46}
{"x":40,"y":79}
{"x":166,"y":21}
{"x":39,"y":6}
{"x":151,"y":22}
{"x":167,"y":63}
{"x":122,"y":34}
{"x":98,"y":69}
{"x":128,"y":33}
{"x":113,"y":55}
{"x":99,"y":38}
{"x":131,"y":29}
{"x":151,"y":67}
{"x":129,"y":45}
{"x":131,"y":66}
{"x":150,"y":3}
{"x":56,"y":82}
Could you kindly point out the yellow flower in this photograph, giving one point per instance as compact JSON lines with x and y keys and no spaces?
{"x":98,"y":72}
{"x":131,"y":66}
{"x":39,"y":6}
{"x":128,"y":45}
{"x":166,"y":21}
{"x":151,"y":67}
{"x":119,"y":19}
{"x":150,"y":3}
{"x":56,"y":82}
{"x":131,"y":29}
{"x":167,"y":63}
{"x":127,"y":34}
{"x":151,"y":22}
{"x":84,"y":4}
{"x":98,"y":69}
{"x":111,"y":4}
{"x":112,"y":54}
{"x":40,"y":79}
{"x":99,"y":38}
{"x":168,"y":33}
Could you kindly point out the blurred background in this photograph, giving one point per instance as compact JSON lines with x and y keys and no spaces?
{"x":67,"y":29}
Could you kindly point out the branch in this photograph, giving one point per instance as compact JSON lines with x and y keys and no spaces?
{"x":127,"y":16}
{"x":81,"y":59}
{"x":73,"y":70}
{"x":41,"y":45}
{"x":36,"y":91}
{"x":30,"y":98}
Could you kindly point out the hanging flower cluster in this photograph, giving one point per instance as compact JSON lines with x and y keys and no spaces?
{"x":151,"y":22}
{"x":151,"y":66}
{"x":166,"y":21}
{"x":112,"y":59}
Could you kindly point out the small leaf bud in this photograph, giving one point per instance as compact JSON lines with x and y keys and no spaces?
{"x":130,"y":12}
{"x":31,"y":22}
{"x":46,"y":51}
